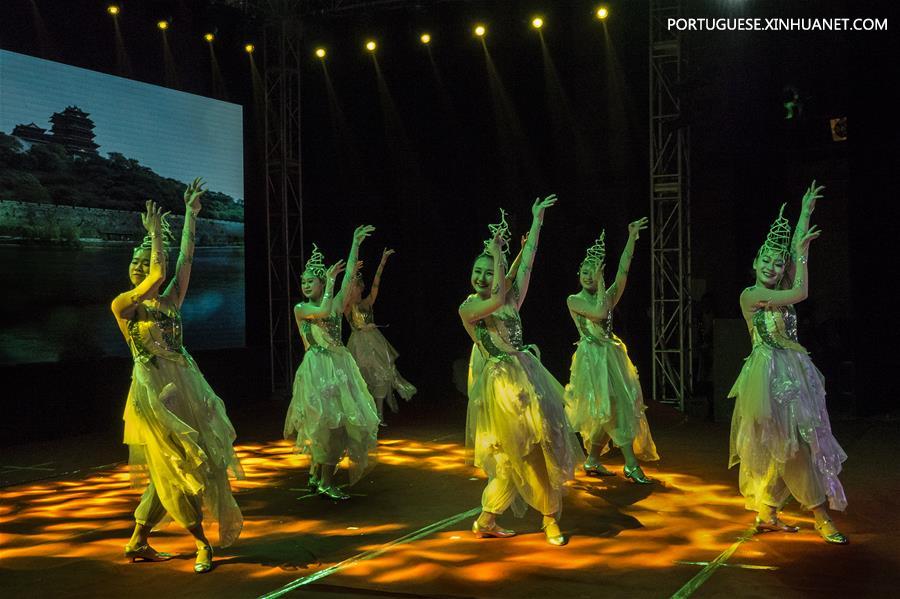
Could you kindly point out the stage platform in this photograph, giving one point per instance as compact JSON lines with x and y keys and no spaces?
{"x":65,"y":514}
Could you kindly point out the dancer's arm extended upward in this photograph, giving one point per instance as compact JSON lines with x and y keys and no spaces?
{"x":523,"y":276}
{"x":615,"y":291}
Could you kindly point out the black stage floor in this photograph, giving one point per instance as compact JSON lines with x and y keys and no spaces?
{"x":65,"y":513}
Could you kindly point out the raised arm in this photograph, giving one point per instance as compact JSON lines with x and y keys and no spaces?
{"x":514,"y":267}
{"x":323,"y":310}
{"x":615,"y":292}
{"x":761,"y":297}
{"x":343,"y":297}
{"x":523,"y":276}
{"x":177,"y":288}
{"x":373,"y":291}
{"x":125,"y":303}
{"x":807,"y":205}
{"x":474,"y":310}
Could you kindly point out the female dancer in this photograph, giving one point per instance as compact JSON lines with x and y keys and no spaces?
{"x":372,"y":352}
{"x":780,"y":432}
{"x":516,"y":424}
{"x":175,"y":425}
{"x":332,"y":413}
{"x":603,"y":397}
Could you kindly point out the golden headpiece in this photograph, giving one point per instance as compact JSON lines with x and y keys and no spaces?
{"x":596,"y":254}
{"x":778,"y":240}
{"x":316,"y":263}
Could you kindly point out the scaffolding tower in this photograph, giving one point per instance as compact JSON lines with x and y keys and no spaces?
{"x":670,"y":216}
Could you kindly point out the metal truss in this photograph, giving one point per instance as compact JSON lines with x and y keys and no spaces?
{"x":670,"y":219}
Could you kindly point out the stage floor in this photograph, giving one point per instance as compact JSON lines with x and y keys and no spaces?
{"x":65,"y":513}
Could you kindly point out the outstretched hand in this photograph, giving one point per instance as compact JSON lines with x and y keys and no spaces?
{"x":802,"y":245}
{"x":385,"y":254}
{"x":152,"y":219}
{"x":635,"y":228}
{"x":362,"y":232}
{"x":192,"y":195}
{"x":335,"y":269}
{"x":812,"y":194}
{"x":537,"y":209}
{"x":495,"y":247}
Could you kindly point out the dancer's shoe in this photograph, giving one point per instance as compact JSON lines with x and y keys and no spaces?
{"x":145,"y":553}
{"x":554,"y":534}
{"x":204,"y":560}
{"x":332,"y":493}
{"x":637,"y":475}
{"x":492,"y":532}
{"x":831,"y":534}
{"x":594,"y":468}
{"x":774,"y":524}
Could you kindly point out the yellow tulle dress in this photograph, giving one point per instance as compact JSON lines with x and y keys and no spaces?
{"x":375,"y":357}
{"x":332,"y":414}
{"x":177,"y":431}
{"x":603,"y":397}
{"x":780,"y":431}
{"x":516,"y":426}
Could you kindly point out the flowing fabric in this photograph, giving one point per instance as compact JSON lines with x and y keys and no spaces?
{"x":375,"y":357}
{"x":177,"y":430}
{"x":603,"y":397}
{"x":332,"y":414}
{"x":780,"y":431}
{"x":516,"y":426}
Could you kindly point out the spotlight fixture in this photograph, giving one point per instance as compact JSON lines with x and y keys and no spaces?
{"x":209,"y":37}
{"x":320,"y":52}
{"x":113,"y":9}
{"x":249,"y":48}
{"x":371,"y":45}
{"x":426,"y":38}
{"x":602,"y":13}
{"x":537,"y":22}
{"x":163,"y":25}
{"x":480,"y":30}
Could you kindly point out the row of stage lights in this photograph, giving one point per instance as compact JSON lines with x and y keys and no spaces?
{"x":479,"y":30}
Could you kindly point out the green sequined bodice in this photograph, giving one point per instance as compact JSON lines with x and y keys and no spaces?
{"x":775,"y":328}
{"x":157,"y":335}
{"x":321,"y":332}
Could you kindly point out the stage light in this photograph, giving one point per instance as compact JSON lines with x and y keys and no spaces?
{"x":320,"y":52}
{"x":602,"y":13}
{"x":112,"y":9}
{"x":426,"y":38}
{"x":480,"y":30}
{"x":249,"y":48}
{"x":537,"y":22}
{"x":163,"y":25}
{"x":371,"y":45}
{"x":209,"y":37}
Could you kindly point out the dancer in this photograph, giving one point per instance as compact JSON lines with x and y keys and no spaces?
{"x":175,"y":425}
{"x":517,"y":425}
{"x":603,"y":398}
{"x":332,"y":414}
{"x":780,"y":432}
{"x":374,"y":355}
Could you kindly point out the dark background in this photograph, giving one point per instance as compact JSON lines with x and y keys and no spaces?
{"x":432,"y":172}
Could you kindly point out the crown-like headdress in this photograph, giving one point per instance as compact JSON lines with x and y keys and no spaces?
{"x":316,"y":262}
{"x":166,"y":236}
{"x":778,"y":240}
{"x":501,"y":228}
{"x":597,"y":252}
